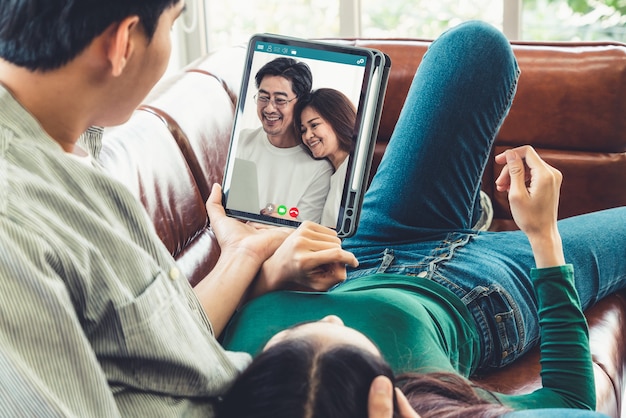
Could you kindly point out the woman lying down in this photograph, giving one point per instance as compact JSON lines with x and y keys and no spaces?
{"x":433,"y":300}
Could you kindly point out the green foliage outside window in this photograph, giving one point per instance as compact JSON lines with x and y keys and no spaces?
{"x":230,"y":22}
{"x":542,"y":20}
{"x":571,"y":20}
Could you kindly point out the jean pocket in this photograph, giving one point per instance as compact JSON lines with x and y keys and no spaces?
{"x":500,"y":324}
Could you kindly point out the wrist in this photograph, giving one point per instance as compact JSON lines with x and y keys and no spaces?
{"x":266,"y":280}
{"x":226,"y":286}
{"x":241,"y":256}
{"x":547,"y":248}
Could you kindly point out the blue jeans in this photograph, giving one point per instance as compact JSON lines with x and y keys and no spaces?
{"x":419,"y":210}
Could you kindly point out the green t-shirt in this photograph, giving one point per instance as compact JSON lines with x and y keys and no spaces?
{"x":418,"y":324}
{"x":421,"y":326}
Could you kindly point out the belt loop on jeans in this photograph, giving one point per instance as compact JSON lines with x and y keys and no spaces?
{"x":388,"y":258}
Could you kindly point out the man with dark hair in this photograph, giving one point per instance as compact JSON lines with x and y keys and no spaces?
{"x":94,"y":319}
{"x":287,"y":175}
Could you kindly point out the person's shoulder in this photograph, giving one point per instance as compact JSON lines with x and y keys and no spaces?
{"x":18,"y":173}
{"x":247,"y":135}
{"x":325,"y":168}
{"x":341,"y":170}
{"x":321,"y":165}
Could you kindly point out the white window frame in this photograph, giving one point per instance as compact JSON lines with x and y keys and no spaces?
{"x":512,"y":19}
{"x":350,"y":18}
{"x":191,"y":44}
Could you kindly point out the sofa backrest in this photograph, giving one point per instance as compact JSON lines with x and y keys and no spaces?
{"x":173,"y":149}
{"x":570,"y":105}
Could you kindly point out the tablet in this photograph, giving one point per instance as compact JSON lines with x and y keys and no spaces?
{"x":304,"y":130}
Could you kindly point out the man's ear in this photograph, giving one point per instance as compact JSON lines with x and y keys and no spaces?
{"x":122,"y":44}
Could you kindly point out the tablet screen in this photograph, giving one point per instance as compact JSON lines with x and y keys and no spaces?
{"x":302,"y":140}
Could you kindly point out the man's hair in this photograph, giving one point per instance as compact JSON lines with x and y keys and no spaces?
{"x":46,"y":34}
{"x":297,"y":72}
{"x":297,"y":379}
{"x":336,"y":109}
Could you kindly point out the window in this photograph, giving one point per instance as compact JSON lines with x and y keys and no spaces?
{"x":424,"y":19}
{"x":232,"y":22}
{"x":574,"y":20}
{"x":212,"y":24}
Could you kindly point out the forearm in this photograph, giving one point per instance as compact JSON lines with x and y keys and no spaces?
{"x":547,"y":248}
{"x":271,"y":278}
{"x":261,"y":285}
{"x":223,"y":289}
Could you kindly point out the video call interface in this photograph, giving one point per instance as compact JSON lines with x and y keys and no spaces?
{"x":256,"y":191}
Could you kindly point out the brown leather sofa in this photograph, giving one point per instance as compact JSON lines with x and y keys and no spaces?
{"x":570,"y":105}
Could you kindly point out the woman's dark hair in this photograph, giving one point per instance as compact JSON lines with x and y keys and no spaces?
{"x":336,"y":109}
{"x":297,"y":72}
{"x":447,"y":395}
{"x":46,"y":34}
{"x":296,"y":379}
